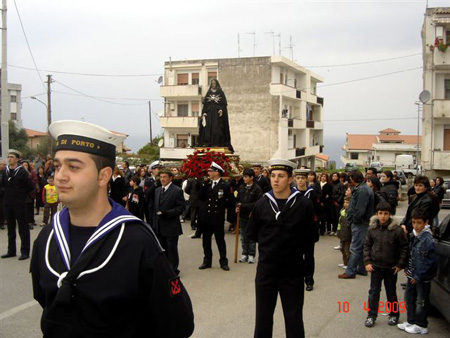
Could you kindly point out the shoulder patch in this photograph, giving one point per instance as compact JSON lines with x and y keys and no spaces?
{"x":175,"y":287}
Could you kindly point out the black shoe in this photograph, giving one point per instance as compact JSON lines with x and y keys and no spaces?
{"x":362,"y":273}
{"x":195,"y":236}
{"x":204,"y":266}
{"x":393,"y":321}
{"x":309,"y":287}
{"x":23,"y":257}
{"x":2,"y":227}
{"x":369,"y":322}
{"x":7,"y":255}
{"x":225,"y":268}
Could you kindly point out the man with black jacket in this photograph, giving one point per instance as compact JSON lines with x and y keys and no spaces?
{"x":282,"y":224}
{"x":260,"y":179}
{"x":249,"y":193}
{"x":214,"y":197}
{"x":17,"y":185}
{"x":97,"y":270}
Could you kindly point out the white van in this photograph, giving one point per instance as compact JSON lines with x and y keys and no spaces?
{"x":406,"y":163}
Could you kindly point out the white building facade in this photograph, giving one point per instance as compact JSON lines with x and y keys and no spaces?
{"x":273,"y":107}
{"x":436,"y":77}
{"x":15,"y":103}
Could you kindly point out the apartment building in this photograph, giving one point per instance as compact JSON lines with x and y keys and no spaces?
{"x":273,"y":107}
{"x":15,"y":103}
{"x":363,"y":149}
{"x":436,"y":80}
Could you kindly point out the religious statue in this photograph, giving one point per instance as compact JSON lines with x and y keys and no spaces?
{"x":214,"y":126}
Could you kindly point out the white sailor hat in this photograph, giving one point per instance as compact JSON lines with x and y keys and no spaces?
{"x":156,"y":165}
{"x":216,"y":167}
{"x":15,"y":152}
{"x":280,"y":164}
{"x":301,"y":172}
{"x":85,"y":137}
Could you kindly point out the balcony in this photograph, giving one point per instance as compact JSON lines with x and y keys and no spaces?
{"x":313,"y":150}
{"x":175,"y":153}
{"x":179,"y":122}
{"x":441,"y":108}
{"x":441,"y":160}
{"x":181,"y":91}
{"x":441,"y":59}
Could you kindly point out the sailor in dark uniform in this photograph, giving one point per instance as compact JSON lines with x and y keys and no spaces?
{"x":214,"y":198}
{"x":282,"y":224}
{"x":263,"y":182}
{"x":97,"y":270}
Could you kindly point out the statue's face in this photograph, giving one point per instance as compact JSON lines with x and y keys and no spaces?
{"x":213,"y":84}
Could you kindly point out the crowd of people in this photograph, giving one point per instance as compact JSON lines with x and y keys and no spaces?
{"x":357,"y":208}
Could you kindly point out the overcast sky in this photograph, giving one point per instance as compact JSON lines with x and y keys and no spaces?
{"x":135,"y":37}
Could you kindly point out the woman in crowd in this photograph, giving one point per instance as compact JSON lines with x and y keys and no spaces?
{"x":389,"y":189}
{"x":337,"y":200}
{"x":375,"y":184}
{"x":326,"y":195}
{"x":31,"y":195}
{"x":118,"y":189}
{"x":41,"y":182}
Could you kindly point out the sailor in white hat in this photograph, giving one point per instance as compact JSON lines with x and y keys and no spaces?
{"x":214,"y":196}
{"x":16,"y":184}
{"x":282,"y":224}
{"x":80,"y":260}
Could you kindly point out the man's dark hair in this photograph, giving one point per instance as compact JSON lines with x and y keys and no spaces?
{"x":249,"y":172}
{"x":384,"y":206}
{"x":103,"y":162}
{"x":344,"y":176}
{"x":166,"y":171}
{"x":389,"y":174}
{"x":127,"y":163}
{"x":356,"y":176}
{"x":419,"y":214}
{"x":422,"y":179}
{"x":441,"y":180}
{"x":374,"y":170}
{"x":135,"y":179}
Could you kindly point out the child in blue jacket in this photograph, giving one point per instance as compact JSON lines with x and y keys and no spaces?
{"x":421,"y":270}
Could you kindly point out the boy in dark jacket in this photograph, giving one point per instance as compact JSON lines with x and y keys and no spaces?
{"x":420,"y":271}
{"x":136,"y":203}
{"x":344,"y":234}
{"x":385,"y":254}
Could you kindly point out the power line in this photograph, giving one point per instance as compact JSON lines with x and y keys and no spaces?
{"x":111,"y":98}
{"x":364,"y":62}
{"x":90,"y":74}
{"x":28,"y":44}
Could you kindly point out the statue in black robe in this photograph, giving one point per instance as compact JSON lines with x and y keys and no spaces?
{"x":214,"y":128}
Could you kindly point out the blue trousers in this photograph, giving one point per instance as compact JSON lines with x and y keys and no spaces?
{"x":417,"y":297}
{"x":356,"y":262}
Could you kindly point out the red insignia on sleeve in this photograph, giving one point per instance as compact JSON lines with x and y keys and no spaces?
{"x":175,"y":286}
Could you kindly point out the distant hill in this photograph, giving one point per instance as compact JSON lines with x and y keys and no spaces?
{"x":333,"y":148}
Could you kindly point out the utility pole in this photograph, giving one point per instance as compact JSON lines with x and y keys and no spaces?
{"x":150,"y":120}
{"x":49,"y":112}
{"x":4,"y":85}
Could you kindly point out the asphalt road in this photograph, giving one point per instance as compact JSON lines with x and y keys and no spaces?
{"x":224,"y":302}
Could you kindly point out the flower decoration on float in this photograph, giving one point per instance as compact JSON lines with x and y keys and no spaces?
{"x":197,"y":164}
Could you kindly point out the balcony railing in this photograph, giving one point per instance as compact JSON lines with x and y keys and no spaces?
{"x":181,"y":91}
{"x":309,"y":124}
{"x":441,"y":109}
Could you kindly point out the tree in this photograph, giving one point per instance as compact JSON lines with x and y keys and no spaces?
{"x":18,"y":140}
{"x":150,"y":152}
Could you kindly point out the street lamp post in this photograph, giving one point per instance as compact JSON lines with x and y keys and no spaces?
{"x":49,"y":141}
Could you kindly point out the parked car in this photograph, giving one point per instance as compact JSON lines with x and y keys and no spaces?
{"x":377,"y":166}
{"x":350,"y":167}
{"x":440,"y":285}
{"x":446,"y":199}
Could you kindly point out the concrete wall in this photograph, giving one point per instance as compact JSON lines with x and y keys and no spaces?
{"x":253,"y":115}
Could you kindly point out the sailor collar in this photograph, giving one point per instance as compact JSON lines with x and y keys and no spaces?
{"x":273,"y":202}
{"x":14,"y":171}
{"x":61,"y":223}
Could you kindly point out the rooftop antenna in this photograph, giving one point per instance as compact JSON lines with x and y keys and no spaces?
{"x":273,"y":41}
{"x":254,"y":41}
{"x":279,"y":43}
{"x":291,"y":48}
{"x":239,"y":46}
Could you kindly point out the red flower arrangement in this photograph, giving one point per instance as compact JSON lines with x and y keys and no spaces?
{"x":197,"y":164}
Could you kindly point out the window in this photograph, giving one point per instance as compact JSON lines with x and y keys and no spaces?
{"x":182,"y":109}
{"x":295,"y":83}
{"x":14,"y":116}
{"x":353,"y":156}
{"x":281,"y":78}
{"x":447,"y":89}
{"x":182,"y":79}
{"x":447,"y":139}
{"x":195,"y":108}
{"x":195,"y":78}
{"x":211,"y":75}
{"x":194,"y":140}
{"x":182,"y":141}
{"x":13,"y":98}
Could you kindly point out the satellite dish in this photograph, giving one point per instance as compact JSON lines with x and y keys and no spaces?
{"x":160,"y":80}
{"x":160,"y":143}
{"x":424,"y":96}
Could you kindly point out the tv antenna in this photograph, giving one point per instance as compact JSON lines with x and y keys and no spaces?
{"x":254,"y":41}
